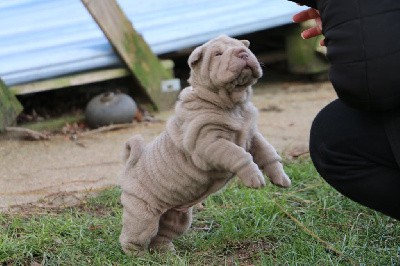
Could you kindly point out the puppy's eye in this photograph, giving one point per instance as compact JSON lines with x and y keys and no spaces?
{"x":218,"y":53}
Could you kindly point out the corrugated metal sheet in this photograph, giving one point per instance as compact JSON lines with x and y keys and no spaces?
{"x":40,"y":39}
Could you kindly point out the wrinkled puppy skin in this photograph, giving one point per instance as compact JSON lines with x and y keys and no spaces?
{"x":212,"y":137}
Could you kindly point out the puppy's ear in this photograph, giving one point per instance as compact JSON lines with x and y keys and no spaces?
{"x":195,"y":56}
{"x":246,"y":42}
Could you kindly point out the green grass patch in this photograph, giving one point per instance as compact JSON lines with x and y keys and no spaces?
{"x":54,"y":124}
{"x":307,"y":224}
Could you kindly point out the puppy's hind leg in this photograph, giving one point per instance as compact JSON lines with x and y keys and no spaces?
{"x":173,"y":224}
{"x":139,"y":225}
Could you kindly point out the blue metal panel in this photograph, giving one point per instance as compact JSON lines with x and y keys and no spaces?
{"x":41,"y":39}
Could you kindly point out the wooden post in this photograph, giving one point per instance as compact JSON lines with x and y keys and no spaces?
{"x":10,"y":107}
{"x":154,"y":80}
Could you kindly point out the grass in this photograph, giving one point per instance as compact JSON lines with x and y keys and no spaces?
{"x":308,"y":224}
{"x":53,"y":124}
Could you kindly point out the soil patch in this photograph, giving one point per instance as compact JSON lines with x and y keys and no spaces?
{"x":62,"y":170}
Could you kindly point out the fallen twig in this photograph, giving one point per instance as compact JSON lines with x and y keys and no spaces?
{"x":312,"y":234}
{"x":28,"y":133}
{"x":298,"y":154}
{"x":84,"y":165}
{"x":303,"y":189}
{"x":106,"y":128}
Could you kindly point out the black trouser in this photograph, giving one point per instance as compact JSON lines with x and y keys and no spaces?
{"x":351,"y":151}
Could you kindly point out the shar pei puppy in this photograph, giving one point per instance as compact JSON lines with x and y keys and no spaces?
{"x":212,"y":137}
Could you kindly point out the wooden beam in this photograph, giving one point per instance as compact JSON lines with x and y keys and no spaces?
{"x":144,"y":65}
{"x":70,"y":80}
{"x":10,"y":107}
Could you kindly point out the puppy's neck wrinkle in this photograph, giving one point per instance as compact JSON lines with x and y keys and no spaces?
{"x":198,"y":81}
{"x":222,"y":99}
{"x":237,"y":97}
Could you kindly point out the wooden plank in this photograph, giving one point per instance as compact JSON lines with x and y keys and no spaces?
{"x":70,"y":80}
{"x":133,"y":50}
{"x":10,"y":107}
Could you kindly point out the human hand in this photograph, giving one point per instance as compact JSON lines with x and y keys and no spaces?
{"x":308,"y":14}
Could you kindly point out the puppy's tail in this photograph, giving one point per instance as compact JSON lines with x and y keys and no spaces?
{"x":133,"y":149}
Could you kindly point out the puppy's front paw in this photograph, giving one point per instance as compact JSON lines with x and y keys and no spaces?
{"x":277,"y":175}
{"x":282,"y":180}
{"x":251,"y":176}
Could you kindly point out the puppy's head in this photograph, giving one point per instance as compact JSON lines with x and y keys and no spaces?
{"x":224,"y":63}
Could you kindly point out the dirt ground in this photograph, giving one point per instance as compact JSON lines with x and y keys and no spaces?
{"x":61,"y":171}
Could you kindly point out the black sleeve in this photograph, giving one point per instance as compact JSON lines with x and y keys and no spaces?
{"x":310,"y":3}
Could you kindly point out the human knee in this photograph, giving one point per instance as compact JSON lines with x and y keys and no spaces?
{"x":329,"y":146}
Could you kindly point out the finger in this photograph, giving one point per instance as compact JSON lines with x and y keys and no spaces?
{"x":305,"y":15}
{"x":311,"y":32}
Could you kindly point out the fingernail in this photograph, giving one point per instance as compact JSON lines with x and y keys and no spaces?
{"x":302,"y":36}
